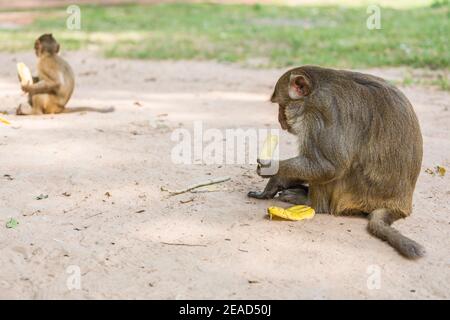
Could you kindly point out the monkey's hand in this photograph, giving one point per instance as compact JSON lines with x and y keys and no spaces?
{"x":26,"y":88}
{"x":267,"y":168}
{"x":273,"y":186}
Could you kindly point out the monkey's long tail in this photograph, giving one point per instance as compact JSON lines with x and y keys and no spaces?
{"x":379,"y":226}
{"x":88,"y":109}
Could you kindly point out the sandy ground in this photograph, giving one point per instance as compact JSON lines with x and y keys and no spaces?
{"x":122,"y":231}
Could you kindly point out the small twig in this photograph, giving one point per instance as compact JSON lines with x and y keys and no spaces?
{"x":195,"y":186}
{"x":69,"y":210}
{"x":187,"y":201}
{"x":94,"y":215}
{"x":183,"y":244}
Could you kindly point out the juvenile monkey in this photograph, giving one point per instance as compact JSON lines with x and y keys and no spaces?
{"x":55,"y":81}
{"x":360,"y":149}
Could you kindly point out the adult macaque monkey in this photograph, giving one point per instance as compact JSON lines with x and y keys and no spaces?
{"x":360,"y":149}
{"x":54,"y":84}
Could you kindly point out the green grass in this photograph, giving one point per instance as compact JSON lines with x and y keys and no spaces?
{"x":263,"y":34}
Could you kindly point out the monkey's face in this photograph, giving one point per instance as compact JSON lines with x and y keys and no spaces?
{"x":290,"y":93}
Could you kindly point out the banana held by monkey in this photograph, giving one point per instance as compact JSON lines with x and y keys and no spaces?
{"x":294,"y":213}
{"x":24,"y":74}
{"x":268,"y":148}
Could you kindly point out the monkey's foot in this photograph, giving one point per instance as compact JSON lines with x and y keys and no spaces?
{"x":294,"y":196}
{"x":24,"y":109}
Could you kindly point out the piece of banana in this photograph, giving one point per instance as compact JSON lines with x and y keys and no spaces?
{"x":268,"y":148}
{"x":294,"y":213}
{"x":24,"y":74}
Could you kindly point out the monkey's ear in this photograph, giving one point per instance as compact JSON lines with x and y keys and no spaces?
{"x":57,"y":48}
{"x":299,"y":86}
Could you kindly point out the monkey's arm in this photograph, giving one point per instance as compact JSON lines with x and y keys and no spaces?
{"x":276,"y":183}
{"x":301,"y":167}
{"x":48,"y":81}
{"x":42,"y":86}
{"x":292,"y":173}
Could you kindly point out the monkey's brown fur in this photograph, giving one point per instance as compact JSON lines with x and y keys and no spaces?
{"x":360,"y":148}
{"x":54,"y":85}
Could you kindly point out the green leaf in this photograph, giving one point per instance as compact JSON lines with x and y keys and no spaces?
{"x":12,"y":223}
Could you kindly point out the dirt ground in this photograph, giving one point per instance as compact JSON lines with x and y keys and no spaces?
{"x":106,"y":214}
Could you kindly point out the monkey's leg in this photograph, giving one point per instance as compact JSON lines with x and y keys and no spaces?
{"x":275,"y":184}
{"x":380,"y":221}
{"x":38,"y":102}
{"x":43,"y":103}
{"x":24,"y":109}
{"x":35,"y":105}
{"x":52,"y":105}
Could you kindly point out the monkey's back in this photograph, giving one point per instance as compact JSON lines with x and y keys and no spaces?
{"x":383,"y":141}
{"x":68,"y":80}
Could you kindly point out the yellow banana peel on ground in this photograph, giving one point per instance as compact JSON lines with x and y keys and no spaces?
{"x":294,"y":213}
{"x":4,"y":121}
